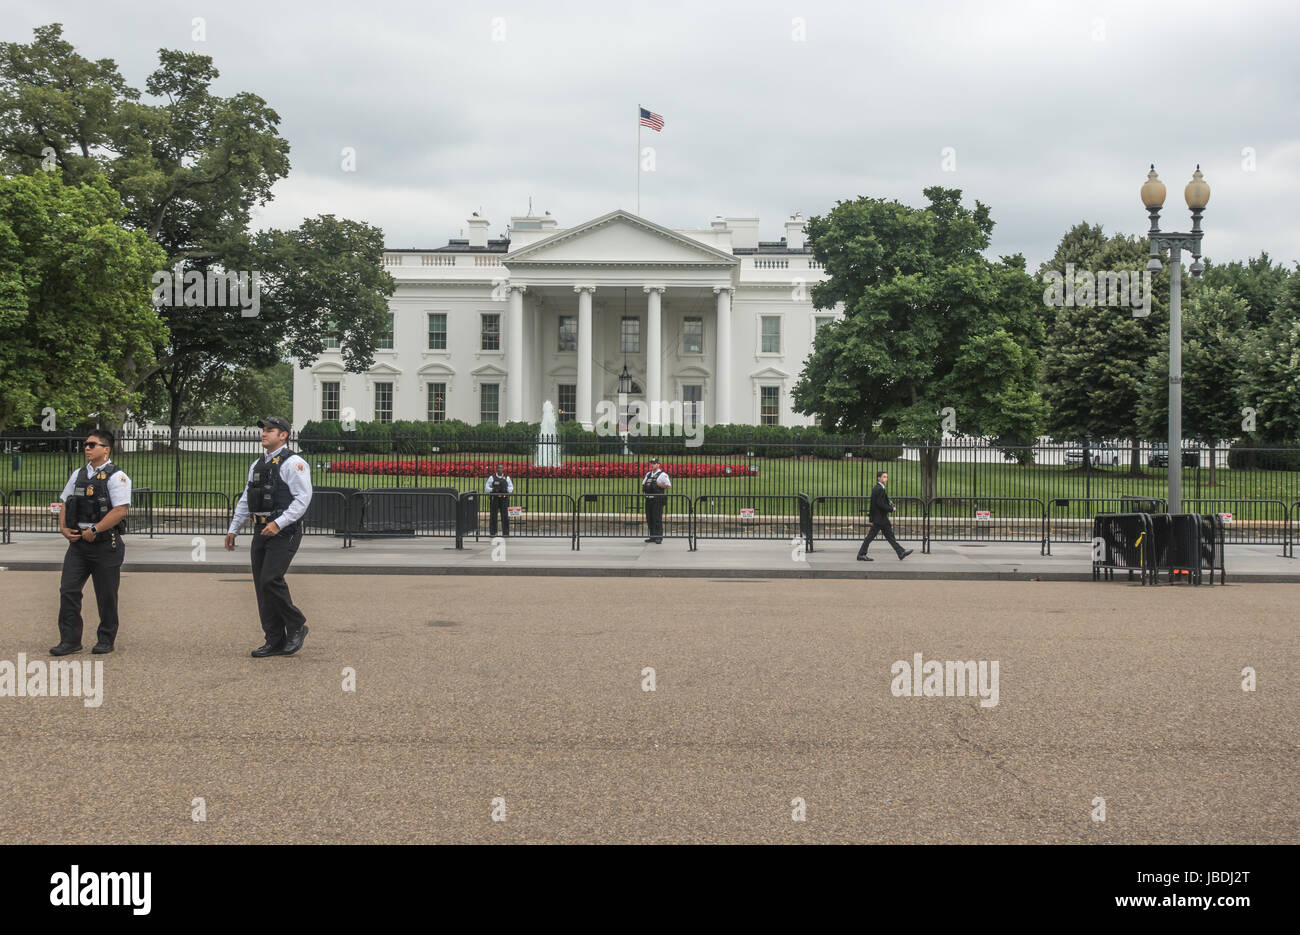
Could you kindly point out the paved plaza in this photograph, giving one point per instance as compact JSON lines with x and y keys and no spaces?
{"x":524,"y":695}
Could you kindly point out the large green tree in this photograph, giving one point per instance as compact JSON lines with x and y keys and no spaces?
{"x":929,"y":323}
{"x":1095,"y":357}
{"x":190,"y":166}
{"x":1258,"y":281}
{"x":75,"y":308}
{"x":1271,"y":369}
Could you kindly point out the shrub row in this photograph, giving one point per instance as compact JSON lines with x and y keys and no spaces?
{"x":480,"y":468}
{"x":521,"y":438}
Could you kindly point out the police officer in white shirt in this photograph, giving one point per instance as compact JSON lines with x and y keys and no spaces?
{"x":655,"y":486}
{"x":95,"y":502}
{"x":277,"y":496}
{"x":499,"y":486}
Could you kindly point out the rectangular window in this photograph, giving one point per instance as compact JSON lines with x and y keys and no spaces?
{"x":822,"y":322}
{"x":386,"y":337}
{"x":568,"y":334}
{"x":568,"y":401}
{"x":693,"y":336}
{"x":383,"y":402}
{"x":769,"y":407}
{"x":631,"y":335}
{"x":437,"y":402}
{"x":771,"y":334}
{"x":692,"y":398}
{"x":331,"y":335}
{"x":437,"y":331}
{"x":329,"y":400}
{"x":491,"y":332}
{"x":489,"y":403}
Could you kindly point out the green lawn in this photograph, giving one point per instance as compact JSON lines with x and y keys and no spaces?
{"x":225,"y":473}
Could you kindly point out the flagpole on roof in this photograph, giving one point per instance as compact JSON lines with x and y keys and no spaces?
{"x":638,"y":160}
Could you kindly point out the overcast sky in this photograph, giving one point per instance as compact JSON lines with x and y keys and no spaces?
{"x":1053,"y":110}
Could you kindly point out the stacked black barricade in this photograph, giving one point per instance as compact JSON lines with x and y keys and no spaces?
{"x":1180,"y":545}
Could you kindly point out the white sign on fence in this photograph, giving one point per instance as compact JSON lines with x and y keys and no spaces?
{"x":1226,"y":517}
{"x":984,"y":514}
{"x":746,"y":512}
{"x":514,"y":510}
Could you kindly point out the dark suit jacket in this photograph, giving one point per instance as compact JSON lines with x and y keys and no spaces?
{"x":881,"y":506}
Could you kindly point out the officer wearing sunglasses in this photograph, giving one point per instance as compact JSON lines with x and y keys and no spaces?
{"x":91,"y":517}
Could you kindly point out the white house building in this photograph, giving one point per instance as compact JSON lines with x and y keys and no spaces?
{"x":714,"y":321}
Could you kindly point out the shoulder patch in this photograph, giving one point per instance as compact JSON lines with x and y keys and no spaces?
{"x":121,"y":478}
{"x":300,"y":467}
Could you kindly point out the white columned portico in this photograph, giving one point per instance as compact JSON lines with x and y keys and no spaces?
{"x":515,"y":355}
{"x":722,"y":393}
{"x":654,"y":353}
{"x":583,"y":414}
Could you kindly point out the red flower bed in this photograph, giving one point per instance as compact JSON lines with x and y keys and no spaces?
{"x":479,"y":468}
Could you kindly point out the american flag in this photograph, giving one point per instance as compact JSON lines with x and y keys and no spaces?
{"x":653,"y":121}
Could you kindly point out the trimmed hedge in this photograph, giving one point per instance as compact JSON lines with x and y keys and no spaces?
{"x":1254,"y":455}
{"x":520,"y":438}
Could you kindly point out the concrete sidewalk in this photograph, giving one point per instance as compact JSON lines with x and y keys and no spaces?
{"x":714,"y":558}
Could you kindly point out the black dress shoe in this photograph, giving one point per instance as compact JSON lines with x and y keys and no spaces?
{"x":651,"y":539}
{"x":657,"y":541}
{"x":904,"y":554}
{"x":268,"y":649}
{"x":102,"y":647}
{"x":294,"y":641}
{"x":865,"y":558}
{"x":64,"y":649}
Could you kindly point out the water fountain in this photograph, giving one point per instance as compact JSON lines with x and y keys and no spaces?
{"x":548,"y":441}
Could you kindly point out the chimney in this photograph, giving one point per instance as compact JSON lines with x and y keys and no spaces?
{"x":718,"y":224}
{"x":548,"y":223}
{"x":478,"y":230}
{"x":794,"y":233}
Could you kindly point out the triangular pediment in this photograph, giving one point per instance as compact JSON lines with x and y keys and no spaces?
{"x":623,"y":239}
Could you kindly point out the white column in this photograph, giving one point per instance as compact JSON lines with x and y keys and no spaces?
{"x":654,"y":353}
{"x":584,"y":355}
{"x":515,"y":355}
{"x":722,"y":392}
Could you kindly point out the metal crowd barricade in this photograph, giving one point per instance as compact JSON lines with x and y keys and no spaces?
{"x":1250,"y":522}
{"x":1176,"y":539}
{"x":971,"y":526}
{"x":541,"y":516}
{"x":407,"y":511}
{"x":1212,"y":542}
{"x":20,"y":517}
{"x":622,"y":516}
{"x":1289,"y":549}
{"x":747,"y":516}
{"x":332,"y":512}
{"x":1127,"y":544}
{"x":842,"y":518}
{"x":1068,"y":527}
{"x":179,"y":512}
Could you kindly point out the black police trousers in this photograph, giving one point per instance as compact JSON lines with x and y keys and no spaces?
{"x":877,"y":528}
{"x":654,"y":514}
{"x":271,"y":557}
{"x":499,"y":503}
{"x":101,"y":561}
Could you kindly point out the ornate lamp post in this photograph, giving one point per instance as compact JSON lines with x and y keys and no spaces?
{"x":1197,"y":194}
{"x":624,"y":387}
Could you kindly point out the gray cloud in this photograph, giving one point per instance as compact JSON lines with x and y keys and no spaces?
{"x":1054,"y":111}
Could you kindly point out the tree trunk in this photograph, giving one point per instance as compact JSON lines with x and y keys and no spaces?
{"x":1135,"y":459}
{"x":930,"y":469}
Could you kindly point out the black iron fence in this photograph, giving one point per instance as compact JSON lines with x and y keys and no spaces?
{"x":979,"y":491}
{"x":966,"y":468}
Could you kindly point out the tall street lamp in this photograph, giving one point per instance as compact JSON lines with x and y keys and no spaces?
{"x":1197,"y":194}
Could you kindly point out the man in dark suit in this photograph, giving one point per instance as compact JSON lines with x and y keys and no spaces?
{"x":881,"y":507}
